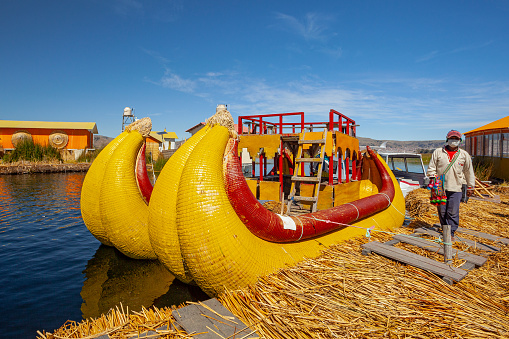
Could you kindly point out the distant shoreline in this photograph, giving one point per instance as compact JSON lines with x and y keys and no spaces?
{"x":42,"y":167}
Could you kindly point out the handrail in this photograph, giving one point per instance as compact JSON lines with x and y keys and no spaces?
{"x":261,"y":125}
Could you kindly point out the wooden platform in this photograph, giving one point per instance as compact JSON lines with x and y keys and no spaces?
{"x":439,"y":268}
{"x":471,"y":243}
{"x":205,"y":320}
{"x":486,"y":197}
{"x":210,"y":319}
{"x":447,"y":272}
{"x":478,"y":234}
{"x":431,"y":246}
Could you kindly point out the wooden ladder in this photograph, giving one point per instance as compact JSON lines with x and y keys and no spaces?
{"x":297,"y":178}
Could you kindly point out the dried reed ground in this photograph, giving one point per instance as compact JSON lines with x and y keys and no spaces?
{"x":343,"y":294}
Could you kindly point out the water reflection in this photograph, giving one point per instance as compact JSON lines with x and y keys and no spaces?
{"x":49,"y":258}
{"x":113,"y":278}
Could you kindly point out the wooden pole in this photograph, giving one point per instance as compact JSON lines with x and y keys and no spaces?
{"x":483,"y":187}
{"x":446,"y":232}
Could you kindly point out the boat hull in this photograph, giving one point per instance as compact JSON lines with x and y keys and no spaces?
{"x":217,"y":247}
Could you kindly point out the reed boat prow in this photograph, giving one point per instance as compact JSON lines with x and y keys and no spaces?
{"x":228,"y":239}
{"x":205,"y":224}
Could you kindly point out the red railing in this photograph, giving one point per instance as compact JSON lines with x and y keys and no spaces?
{"x":275,"y":124}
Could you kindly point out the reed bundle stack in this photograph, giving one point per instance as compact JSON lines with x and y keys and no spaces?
{"x":342,"y":294}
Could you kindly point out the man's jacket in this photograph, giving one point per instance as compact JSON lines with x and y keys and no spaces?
{"x":461,"y":172}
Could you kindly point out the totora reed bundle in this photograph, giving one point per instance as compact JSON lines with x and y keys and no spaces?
{"x":343,"y":294}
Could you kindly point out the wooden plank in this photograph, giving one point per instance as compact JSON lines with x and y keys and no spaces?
{"x":467,"y":266}
{"x":301,"y":198}
{"x":416,"y":260}
{"x":193,"y":322}
{"x":483,"y":235}
{"x":308,"y":160}
{"x":211,"y":320}
{"x":319,"y":141}
{"x":437,"y":248}
{"x":471,"y":243}
{"x":391,"y":242}
{"x":479,"y":234}
{"x":228,"y":323}
{"x":310,"y":179}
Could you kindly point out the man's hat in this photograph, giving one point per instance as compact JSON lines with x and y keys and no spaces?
{"x":453,"y":133}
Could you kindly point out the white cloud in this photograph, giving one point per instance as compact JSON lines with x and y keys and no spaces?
{"x":387,"y":108}
{"x":435,"y":54}
{"x":428,"y":56}
{"x":163,"y":60}
{"x":313,"y":26}
{"x":160,"y":10}
{"x":123,"y":7}
{"x":173,"y":81}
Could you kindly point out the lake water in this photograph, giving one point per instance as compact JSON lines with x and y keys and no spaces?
{"x":53,"y":270}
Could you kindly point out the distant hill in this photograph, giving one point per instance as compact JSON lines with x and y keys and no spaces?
{"x":100,"y":141}
{"x":420,"y":146}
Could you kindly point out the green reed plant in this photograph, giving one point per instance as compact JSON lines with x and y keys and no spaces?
{"x":159,"y":164}
{"x":483,"y":168}
{"x":89,"y":156}
{"x":27,"y":150}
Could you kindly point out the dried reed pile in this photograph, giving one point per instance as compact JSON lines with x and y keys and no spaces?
{"x":478,"y":215}
{"x":343,"y":294}
{"x":120,"y":323}
{"x":275,"y":206}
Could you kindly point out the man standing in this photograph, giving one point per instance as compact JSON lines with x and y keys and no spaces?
{"x":456,"y":166}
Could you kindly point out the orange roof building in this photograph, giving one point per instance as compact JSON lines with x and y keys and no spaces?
{"x":491,"y":142}
{"x":159,"y":141}
{"x":61,"y":135}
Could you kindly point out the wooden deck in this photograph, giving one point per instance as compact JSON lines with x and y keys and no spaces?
{"x":439,"y":268}
{"x":478,"y":234}
{"x":447,"y":272}
{"x":205,"y":320}
{"x":471,"y":243}
{"x":209,"y":320}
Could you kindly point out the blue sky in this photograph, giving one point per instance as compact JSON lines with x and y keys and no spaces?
{"x":404,"y":70}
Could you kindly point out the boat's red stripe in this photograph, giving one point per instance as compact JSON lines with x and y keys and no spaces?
{"x":144,"y":184}
{"x":409,"y":183}
{"x":269,"y":226}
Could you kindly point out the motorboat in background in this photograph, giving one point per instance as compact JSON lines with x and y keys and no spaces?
{"x":408,"y":168}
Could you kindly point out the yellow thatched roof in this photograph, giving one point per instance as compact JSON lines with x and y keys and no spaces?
{"x":156,"y":136}
{"x":159,"y":135}
{"x":90,"y":126}
{"x":500,"y":123}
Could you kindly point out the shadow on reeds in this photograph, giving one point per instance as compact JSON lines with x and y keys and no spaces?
{"x":112,"y":278}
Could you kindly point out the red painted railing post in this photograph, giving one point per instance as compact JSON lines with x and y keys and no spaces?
{"x":264,"y":164}
{"x":331,"y":157}
{"x":261,"y":166}
{"x":281,"y":159}
{"x":340,"y":169}
{"x":354,"y":169}
{"x":347,"y":169}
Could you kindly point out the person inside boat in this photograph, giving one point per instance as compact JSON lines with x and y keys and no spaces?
{"x":456,"y":167}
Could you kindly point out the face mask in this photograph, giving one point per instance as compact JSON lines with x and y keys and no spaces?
{"x":453,"y":143}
